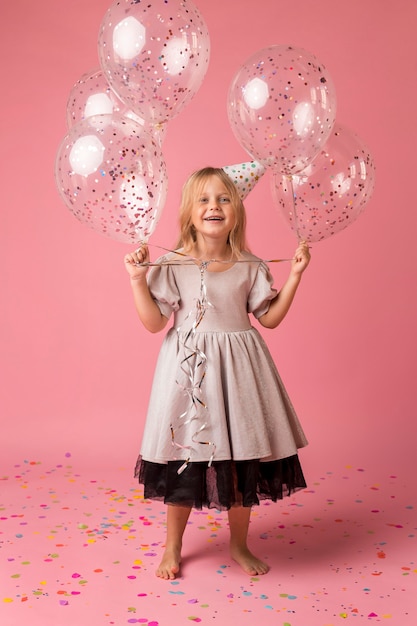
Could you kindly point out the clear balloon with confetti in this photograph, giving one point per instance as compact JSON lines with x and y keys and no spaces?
{"x":92,"y":95}
{"x":331,"y":193}
{"x":282,"y":106}
{"x":154,"y":55}
{"x":111,"y":174}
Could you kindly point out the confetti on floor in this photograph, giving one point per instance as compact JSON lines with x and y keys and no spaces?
{"x":81,"y":548}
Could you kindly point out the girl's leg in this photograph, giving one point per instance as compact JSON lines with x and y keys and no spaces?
{"x":177,"y":518}
{"x":239,"y":518}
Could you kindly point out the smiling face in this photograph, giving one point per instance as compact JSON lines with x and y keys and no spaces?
{"x":212,"y":213}
{"x":211,"y":190}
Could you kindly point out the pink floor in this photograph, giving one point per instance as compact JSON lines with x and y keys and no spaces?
{"x":78,"y":548}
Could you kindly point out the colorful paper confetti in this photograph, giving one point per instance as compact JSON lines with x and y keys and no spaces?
{"x":79,"y":547}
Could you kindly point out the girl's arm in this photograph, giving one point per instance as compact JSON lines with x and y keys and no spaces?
{"x":146,"y":307}
{"x":280,"y":305}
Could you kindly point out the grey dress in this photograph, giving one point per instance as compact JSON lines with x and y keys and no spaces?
{"x":220,"y":429}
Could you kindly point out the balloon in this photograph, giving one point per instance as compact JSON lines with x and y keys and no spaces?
{"x":92,"y":95}
{"x":281,"y":107}
{"x":111,"y":174}
{"x":154,"y":55}
{"x":332,"y":191}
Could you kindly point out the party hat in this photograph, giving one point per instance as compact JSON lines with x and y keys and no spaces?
{"x":245,"y":176}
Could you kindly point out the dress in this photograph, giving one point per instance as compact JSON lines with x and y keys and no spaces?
{"x":240,"y":441}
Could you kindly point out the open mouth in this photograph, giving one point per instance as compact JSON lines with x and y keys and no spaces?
{"x":214,"y":219}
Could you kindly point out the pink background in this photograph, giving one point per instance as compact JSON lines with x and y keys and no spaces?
{"x":77,"y":366}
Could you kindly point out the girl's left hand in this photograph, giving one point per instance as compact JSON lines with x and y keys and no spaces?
{"x":301,"y":258}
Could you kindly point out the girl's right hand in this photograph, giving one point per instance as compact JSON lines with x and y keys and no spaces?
{"x":133,"y":261}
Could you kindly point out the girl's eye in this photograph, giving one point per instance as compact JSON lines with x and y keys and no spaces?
{"x":221,"y":200}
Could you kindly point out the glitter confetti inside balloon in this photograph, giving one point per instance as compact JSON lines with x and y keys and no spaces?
{"x":111,"y":174}
{"x":154,"y":55}
{"x":281,"y":107}
{"x":332,"y":191}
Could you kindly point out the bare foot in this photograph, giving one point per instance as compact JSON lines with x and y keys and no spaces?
{"x":248,"y":561}
{"x":170,"y":564}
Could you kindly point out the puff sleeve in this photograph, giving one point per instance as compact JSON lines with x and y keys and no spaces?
{"x":262,"y":291}
{"x":163,"y":287}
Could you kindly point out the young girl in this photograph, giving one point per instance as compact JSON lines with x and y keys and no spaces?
{"x":221,"y":431}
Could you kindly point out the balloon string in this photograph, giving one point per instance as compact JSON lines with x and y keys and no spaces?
{"x":189,"y":260}
{"x":294,"y":206}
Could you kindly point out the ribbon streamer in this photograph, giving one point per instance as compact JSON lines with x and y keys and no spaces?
{"x":194,"y":366}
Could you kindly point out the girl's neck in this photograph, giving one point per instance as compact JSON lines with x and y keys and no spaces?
{"x":207,"y":251}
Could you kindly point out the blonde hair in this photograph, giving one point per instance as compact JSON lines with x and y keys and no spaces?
{"x":190,"y":191}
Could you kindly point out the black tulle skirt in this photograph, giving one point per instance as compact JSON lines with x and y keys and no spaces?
{"x":222,"y":485}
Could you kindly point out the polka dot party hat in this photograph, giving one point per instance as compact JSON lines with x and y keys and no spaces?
{"x":245,"y":176}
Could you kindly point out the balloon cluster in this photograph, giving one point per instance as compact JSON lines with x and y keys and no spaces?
{"x":282,"y":110}
{"x":153,"y":57}
{"x":110,"y":170}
